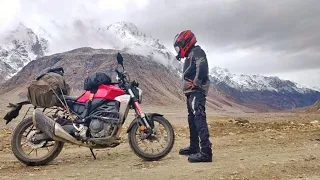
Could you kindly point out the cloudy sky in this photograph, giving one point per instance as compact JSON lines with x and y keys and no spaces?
{"x":245,"y":36}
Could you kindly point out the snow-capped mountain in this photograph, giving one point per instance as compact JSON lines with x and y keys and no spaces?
{"x":123,"y":36}
{"x":315,"y":88}
{"x":270,"y":91}
{"x":245,"y":82}
{"x":18,"y":48}
{"x":136,"y":42}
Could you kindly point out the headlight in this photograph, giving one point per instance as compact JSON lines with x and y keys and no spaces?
{"x":137,"y":93}
{"x":140,"y":95}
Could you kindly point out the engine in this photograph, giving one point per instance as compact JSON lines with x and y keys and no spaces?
{"x":100,"y":129}
{"x":103,"y":127}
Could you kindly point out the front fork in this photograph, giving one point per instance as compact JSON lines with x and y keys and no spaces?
{"x":144,"y":124}
{"x":142,"y":116}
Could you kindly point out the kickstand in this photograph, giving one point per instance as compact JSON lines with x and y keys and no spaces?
{"x":94,"y":156}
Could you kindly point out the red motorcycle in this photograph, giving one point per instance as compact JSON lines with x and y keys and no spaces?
{"x":93,"y":120}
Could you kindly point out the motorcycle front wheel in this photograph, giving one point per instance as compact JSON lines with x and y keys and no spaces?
{"x":154,"y":146}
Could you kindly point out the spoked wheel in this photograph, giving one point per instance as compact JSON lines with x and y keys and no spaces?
{"x":154,"y":146}
{"x":28,"y":150}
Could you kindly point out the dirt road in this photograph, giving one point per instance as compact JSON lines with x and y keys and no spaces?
{"x":270,"y":146}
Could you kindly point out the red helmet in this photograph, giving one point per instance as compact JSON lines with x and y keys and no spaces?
{"x":183,"y":42}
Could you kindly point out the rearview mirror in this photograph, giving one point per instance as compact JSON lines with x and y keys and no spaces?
{"x":120,"y":59}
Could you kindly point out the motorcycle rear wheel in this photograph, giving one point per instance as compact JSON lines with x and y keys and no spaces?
{"x":156,"y":154}
{"x":25,"y":157}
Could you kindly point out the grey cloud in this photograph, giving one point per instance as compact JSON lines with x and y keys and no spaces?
{"x":287,"y":25}
{"x":286,"y":32}
{"x":271,"y":62}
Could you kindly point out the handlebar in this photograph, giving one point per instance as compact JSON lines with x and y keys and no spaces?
{"x":124,"y":82}
{"x":122,"y":79}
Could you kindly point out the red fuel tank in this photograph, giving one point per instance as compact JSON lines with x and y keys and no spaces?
{"x":108,"y":92}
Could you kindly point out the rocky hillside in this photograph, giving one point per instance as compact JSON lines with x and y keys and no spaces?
{"x":315,"y":108}
{"x":155,"y":79}
{"x":261,"y":91}
{"x":159,"y":84}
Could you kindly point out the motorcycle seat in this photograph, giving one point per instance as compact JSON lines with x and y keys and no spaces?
{"x":70,"y":98}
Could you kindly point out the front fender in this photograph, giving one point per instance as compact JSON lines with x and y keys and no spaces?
{"x":149,"y":117}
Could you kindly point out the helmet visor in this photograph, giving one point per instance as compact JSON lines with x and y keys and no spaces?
{"x":177,"y":49}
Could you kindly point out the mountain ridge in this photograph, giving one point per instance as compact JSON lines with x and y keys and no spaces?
{"x":256,"y":82}
{"x":255,"y":90}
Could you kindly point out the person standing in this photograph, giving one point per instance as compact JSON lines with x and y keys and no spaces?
{"x":196,"y":86}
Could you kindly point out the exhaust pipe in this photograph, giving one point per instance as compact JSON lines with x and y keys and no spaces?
{"x":53,"y":129}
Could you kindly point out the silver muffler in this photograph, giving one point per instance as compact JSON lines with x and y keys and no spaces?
{"x":53,"y":129}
